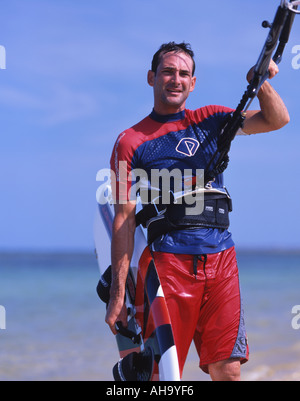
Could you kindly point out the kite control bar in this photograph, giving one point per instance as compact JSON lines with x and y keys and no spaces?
{"x":274,"y":47}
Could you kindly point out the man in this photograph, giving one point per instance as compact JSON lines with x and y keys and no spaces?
{"x":196,"y":264}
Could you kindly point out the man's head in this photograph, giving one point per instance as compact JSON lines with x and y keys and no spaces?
{"x":172,"y":77}
{"x":174,"y":48}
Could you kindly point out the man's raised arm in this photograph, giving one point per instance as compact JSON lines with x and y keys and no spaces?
{"x":273,"y":114}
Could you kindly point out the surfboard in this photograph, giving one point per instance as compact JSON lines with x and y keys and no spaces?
{"x":148,"y":317}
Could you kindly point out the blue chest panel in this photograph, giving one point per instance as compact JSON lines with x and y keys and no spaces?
{"x":190,"y":148}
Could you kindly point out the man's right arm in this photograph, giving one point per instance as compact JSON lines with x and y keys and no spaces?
{"x":121,"y":252}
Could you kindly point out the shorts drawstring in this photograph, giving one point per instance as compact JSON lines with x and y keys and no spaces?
{"x":196,"y":258}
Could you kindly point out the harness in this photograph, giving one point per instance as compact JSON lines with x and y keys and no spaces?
{"x":182,"y":212}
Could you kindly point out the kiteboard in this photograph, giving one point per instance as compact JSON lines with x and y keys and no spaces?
{"x":146,"y":347}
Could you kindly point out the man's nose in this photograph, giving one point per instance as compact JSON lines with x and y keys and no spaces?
{"x":176,"y":77}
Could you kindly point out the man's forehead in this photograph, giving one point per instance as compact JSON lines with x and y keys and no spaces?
{"x":179,"y":60}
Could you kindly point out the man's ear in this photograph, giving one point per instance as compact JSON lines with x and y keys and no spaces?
{"x":151,"y":77}
{"x":193,"y":84}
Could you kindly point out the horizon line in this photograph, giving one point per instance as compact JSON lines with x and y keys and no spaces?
{"x":91,"y":250}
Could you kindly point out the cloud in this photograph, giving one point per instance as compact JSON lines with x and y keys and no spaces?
{"x":65,"y":105}
{"x":56,"y":105}
{"x":14,"y":97}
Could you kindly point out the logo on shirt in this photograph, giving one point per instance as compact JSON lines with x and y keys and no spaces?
{"x":188,"y":146}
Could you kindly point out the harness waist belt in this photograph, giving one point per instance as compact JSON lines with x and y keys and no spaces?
{"x":160,"y":219}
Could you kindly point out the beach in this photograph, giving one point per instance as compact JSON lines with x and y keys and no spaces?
{"x":55,"y":329}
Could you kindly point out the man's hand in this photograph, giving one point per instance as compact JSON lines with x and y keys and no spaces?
{"x":116,"y":312}
{"x":273,"y":114}
{"x":273,"y":70}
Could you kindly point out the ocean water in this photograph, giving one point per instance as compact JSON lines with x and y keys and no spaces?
{"x":55,"y":327}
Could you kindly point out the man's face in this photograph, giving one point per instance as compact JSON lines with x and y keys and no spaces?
{"x":172,"y":83}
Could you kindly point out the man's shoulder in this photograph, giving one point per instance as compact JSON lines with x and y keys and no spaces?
{"x":130,"y":139}
{"x":134,"y":134}
{"x":206,"y":112}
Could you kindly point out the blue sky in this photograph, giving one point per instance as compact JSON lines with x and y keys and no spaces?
{"x":75,"y":78}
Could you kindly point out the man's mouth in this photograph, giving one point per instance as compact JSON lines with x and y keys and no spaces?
{"x":174,"y":91}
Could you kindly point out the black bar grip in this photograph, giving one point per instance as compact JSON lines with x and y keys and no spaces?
{"x":285,"y":34}
{"x":264,"y":59}
{"x":135,"y":338}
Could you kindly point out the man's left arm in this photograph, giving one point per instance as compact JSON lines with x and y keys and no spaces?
{"x":273,"y":113}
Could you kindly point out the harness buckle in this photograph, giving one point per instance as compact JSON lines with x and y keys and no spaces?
{"x":158,"y":212}
{"x":157,"y":205}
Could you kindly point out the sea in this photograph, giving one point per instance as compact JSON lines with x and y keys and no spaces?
{"x":52,"y":322}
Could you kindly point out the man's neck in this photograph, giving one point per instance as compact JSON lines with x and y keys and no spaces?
{"x":163,"y":118}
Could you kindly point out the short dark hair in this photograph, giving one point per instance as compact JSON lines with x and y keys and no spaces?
{"x":172,"y":47}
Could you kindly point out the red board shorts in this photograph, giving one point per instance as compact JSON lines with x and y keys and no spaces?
{"x":203,"y":298}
